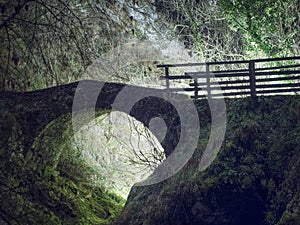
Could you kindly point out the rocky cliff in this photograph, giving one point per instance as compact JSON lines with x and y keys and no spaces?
{"x":253,"y":180}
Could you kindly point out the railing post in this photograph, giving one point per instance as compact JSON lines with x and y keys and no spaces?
{"x":167,"y":77}
{"x":208,"y":81}
{"x":196,"y":88}
{"x":252,"y":79}
{"x":167,"y":80}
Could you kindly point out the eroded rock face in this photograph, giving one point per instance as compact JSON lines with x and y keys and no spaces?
{"x":121,"y":149}
{"x":254,"y":179}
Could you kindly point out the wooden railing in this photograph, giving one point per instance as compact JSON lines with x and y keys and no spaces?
{"x":236,"y":78}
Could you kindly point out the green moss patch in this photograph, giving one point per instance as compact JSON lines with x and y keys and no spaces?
{"x":49,"y":182}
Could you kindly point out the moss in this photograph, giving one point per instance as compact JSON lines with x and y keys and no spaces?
{"x":253,"y":180}
{"x":49,"y":185}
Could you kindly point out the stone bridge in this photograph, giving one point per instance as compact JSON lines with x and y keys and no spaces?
{"x":35,"y":110}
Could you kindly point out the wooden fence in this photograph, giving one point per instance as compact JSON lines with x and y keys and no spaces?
{"x":235,"y":78}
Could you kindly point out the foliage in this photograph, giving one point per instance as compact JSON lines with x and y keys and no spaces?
{"x":236,"y":29}
{"x":50,"y":43}
{"x":267,"y":26}
{"x":203,"y":29}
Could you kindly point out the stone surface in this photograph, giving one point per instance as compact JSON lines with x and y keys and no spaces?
{"x":254,"y":179}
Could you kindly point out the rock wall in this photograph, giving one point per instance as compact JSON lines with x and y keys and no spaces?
{"x":253,"y":180}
